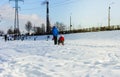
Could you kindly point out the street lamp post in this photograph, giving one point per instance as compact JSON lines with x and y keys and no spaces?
{"x":70,"y":24}
{"x":109,"y":16}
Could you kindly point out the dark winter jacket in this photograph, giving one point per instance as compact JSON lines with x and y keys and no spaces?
{"x":55,"y":31}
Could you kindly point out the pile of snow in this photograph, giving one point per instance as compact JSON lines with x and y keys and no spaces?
{"x":95,"y":54}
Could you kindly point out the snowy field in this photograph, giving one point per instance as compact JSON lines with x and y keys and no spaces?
{"x":83,"y":55}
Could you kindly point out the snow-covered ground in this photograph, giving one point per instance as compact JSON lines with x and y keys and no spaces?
{"x":95,"y":54}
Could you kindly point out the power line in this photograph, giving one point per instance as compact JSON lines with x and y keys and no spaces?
{"x":55,"y":4}
{"x":32,"y":8}
{"x":31,"y":2}
{"x":62,"y":2}
{"x":65,"y":3}
{"x":16,"y":21}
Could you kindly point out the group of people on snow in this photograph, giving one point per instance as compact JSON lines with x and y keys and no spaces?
{"x":57,"y":40}
{"x":55,"y":34}
{"x":12,"y":37}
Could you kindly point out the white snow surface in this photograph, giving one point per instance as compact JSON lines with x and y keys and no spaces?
{"x":94,"y":54}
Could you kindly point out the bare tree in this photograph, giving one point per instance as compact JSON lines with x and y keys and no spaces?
{"x":37,"y":30}
{"x":43,"y":28}
{"x":16,"y":31}
{"x":60,"y":26}
{"x":28,"y":26}
{"x":10,"y":31}
{"x":1,"y":32}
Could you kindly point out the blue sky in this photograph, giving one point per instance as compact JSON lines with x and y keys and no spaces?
{"x":84,"y":13}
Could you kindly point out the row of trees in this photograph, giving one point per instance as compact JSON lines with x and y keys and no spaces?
{"x":95,"y":29}
{"x":31,"y":29}
{"x":36,"y":30}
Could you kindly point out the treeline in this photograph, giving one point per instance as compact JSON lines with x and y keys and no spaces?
{"x":30,"y":30}
{"x":93,"y":29}
{"x":36,"y":30}
{"x":40,"y":30}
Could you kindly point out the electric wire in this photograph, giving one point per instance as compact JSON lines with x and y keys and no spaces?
{"x":62,"y":3}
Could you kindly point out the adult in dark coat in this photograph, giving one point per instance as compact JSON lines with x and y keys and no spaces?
{"x":55,"y":34}
{"x":5,"y":37}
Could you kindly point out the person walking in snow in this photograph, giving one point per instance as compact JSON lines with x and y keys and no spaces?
{"x":55,"y":34}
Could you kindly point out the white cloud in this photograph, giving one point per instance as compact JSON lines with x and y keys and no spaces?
{"x":7,"y":12}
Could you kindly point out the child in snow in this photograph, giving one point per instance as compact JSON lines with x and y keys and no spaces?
{"x":61,"y":40}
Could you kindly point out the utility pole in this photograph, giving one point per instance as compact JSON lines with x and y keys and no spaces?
{"x":47,"y":16}
{"x":16,"y":20}
{"x":0,"y":18}
{"x":70,"y":24}
{"x":109,"y":11}
{"x":109,"y":16}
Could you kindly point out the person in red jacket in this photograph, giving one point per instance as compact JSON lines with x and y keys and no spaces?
{"x":61,"y":40}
